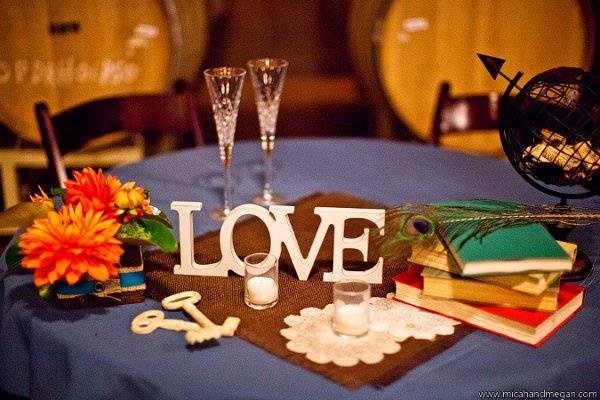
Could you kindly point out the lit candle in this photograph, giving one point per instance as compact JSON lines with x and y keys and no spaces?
{"x":261,"y":290}
{"x":351,"y":319}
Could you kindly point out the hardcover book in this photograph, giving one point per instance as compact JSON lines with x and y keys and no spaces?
{"x":445,"y":285}
{"x":526,"y":326}
{"x":513,"y":249}
{"x":434,"y":255}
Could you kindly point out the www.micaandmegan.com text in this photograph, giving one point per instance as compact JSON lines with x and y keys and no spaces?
{"x":537,"y":394}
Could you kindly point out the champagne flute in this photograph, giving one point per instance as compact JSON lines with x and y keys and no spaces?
{"x":225,"y":87}
{"x":267,"y":76}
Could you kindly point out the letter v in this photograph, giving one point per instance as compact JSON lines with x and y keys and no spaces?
{"x":302,"y":265}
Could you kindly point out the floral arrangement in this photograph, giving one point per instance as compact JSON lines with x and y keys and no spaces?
{"x":79,"y":234}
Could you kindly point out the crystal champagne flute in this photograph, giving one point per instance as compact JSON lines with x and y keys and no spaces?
{"x":267,"y":76}
{"x":225,"y":87}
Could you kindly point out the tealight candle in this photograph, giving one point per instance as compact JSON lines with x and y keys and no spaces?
{"x":261,"y":287}
{"x":351,"y":308}
{"x":261,"y":290}
{"x":351,"y":319}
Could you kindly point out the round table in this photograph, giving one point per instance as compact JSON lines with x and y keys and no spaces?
{"x":46,"y":352}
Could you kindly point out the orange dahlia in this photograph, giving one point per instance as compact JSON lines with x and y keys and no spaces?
{"x":93,"y":190}
{"x":69,"y":244}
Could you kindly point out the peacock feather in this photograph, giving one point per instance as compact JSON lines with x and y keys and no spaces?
{"x":411,"y":223}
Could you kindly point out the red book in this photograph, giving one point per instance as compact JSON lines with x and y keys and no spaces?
{"x":527,"y":326}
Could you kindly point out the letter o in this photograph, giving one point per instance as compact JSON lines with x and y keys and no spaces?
{"x":226,"y":234}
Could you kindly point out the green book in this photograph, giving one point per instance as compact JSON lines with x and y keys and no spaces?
{"x":508,"y":250}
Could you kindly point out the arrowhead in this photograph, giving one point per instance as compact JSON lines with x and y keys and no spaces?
{"x":492,"y":64}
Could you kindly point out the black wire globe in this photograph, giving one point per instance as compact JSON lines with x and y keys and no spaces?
{"x":550,"y":132}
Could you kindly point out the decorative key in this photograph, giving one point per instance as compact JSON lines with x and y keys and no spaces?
{"x":186,"y":301}
{"x":230,"y":326}
{"x":193,"y":337}
{"x":227,"y":329}
{"x":148,"y":321}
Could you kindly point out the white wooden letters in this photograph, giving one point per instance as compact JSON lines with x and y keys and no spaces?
{"x":277,"y":222}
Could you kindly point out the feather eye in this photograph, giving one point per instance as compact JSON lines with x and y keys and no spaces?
{"x":411,"y":223}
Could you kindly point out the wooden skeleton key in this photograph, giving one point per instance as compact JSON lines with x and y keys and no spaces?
{"x":186,"y":301}
{"x":148,"y":321}
{"x":227,"y":329}
{"x":229,"y":326}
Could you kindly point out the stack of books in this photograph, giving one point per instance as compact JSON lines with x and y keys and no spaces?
{"x":507,"y":282}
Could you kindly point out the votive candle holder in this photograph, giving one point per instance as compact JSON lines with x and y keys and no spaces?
{"x":351,"y":308}
{"x":261,"y":283}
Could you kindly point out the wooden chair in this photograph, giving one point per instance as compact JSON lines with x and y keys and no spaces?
{"x":150,"y":115}
{"x":463,"y":113}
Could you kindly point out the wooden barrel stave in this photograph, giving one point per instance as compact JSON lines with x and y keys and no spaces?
{"x":416,"y":45}
{"x":66,"y":52}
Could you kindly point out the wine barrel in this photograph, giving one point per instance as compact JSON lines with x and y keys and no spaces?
{"x":417,"y":44}
{"x":66,"y":52}
{"x":363,"y":29}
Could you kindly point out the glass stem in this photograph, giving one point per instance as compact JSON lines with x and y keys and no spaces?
{"x":227,"y":191}
{"x":268,"y":188}
{"x":268,"y":144}
{"x":227,"y":188}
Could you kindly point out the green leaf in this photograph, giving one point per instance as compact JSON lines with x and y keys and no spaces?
{"x":13,"y":257}
{"x":23,"y":214}
{"x":161,"y":217}
{"x":161,"y":235}
{"x":148,"y":231}
{"x":58,"y":191}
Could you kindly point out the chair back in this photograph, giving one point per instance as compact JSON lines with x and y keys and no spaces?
{"x":154,"y":114}
{"x":463,"y":113}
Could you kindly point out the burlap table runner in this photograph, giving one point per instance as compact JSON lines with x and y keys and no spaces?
{"x":222,"y":297}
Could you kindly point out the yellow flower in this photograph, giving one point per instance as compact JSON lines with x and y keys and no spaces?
{"x":71,"y":243}
{"x":130,"y":196}
{"x":132,"y":201}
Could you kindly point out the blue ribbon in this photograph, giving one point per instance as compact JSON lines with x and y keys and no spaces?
{"x":132,"y":279}
{"x":87,"y":287}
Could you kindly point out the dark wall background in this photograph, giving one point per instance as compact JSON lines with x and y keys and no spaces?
{"x":321,"y":95}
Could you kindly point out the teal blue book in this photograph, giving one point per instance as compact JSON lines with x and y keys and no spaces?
{"x":508,"y":250}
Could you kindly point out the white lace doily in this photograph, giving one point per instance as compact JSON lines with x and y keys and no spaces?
{"x":310,"y":332}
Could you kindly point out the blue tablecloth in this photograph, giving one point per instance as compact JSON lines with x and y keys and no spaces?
{"x":46,"y":352}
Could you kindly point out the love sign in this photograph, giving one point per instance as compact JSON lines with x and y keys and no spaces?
{"x":277,"y":222}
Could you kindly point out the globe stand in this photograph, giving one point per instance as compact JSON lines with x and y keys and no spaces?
{"x":550,"y":133}
{"x":582,"y":266}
